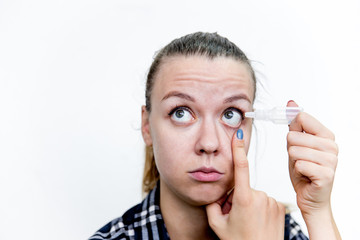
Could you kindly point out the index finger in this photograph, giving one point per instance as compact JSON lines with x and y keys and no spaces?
{"x":241,"y":164}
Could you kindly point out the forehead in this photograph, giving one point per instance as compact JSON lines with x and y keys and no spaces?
{"x":220,"y":75}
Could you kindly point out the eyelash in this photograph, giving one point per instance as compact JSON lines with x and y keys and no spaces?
{"x":187,"y":109}
{"x":178,"y":108}
{"x":235,"y":109}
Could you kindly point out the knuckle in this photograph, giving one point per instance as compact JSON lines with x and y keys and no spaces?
{"x":331,"y":135}
{"x":243,"y":201}
{"x":298,"y":166}
{"x":290,"y":136}
{"x":262,"y":196}
{"x":292,"y":151}
{"x":335,"y":148}
{"x":327,"y":178}
{"x":301,"y":117}
{"x":329,"y":175}
{"x":282,"y":208}
{"x":272,"y":201}
{"x":242,"y":164}
{"x":334,"y":160}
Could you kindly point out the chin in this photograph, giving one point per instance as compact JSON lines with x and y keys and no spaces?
{"x":197,"y":202}
{"x":205,"y":194}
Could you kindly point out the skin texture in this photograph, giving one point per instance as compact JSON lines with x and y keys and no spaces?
{"x":205,"y":141}
{"x":201,"y":137}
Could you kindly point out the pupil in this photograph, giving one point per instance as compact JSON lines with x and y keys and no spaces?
{"x":229,"y":115}
{"x":179,"y":113}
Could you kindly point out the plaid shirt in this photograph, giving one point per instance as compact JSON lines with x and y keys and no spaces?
{"x":144,"y":221}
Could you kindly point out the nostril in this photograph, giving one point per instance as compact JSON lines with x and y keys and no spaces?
{"x":203,"y":151}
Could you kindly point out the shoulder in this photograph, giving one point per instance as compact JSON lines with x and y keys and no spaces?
{"x":293,"y":230}
{"x":119,"y":228}
{"x":142,"y":221}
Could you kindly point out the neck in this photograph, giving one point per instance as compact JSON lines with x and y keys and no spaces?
{"x":182,"y":220}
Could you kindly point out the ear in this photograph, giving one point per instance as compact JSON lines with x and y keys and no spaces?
{"x":145,"y":126}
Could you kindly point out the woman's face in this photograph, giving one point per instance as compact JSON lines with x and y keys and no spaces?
{"x":197,"y":104}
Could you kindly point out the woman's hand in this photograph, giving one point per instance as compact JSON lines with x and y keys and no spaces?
{"x":246,"y":213}
{"x":312,"y":163}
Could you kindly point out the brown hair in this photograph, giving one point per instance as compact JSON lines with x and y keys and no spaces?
{"x":210,"y":45}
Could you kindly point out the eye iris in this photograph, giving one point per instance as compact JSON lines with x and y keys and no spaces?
{"x":229,"y":114}
{"x":179,"y":113}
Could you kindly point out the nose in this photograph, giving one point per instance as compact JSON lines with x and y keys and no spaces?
{"x":208,"y":141}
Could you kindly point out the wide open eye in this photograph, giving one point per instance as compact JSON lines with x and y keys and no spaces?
{"x":232,"y":117}
{"x":181,"y":115}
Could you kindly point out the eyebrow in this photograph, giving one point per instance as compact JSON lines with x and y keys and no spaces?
{"x":190,"y":98}
{"x":179,"y":95}
{"x":237,"y":97}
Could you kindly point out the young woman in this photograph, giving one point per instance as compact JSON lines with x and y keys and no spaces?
{"x":196,"y":170}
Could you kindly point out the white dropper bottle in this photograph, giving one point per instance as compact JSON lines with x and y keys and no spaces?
{"x":278,"y":115}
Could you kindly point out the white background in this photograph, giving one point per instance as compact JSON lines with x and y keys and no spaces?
{"x":72,"y":79}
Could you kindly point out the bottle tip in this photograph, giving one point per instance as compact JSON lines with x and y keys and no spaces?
{"x":250,"y":114}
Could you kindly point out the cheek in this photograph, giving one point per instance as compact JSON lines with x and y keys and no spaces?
{"x":172,"y":149}
{"x":175,"y":148}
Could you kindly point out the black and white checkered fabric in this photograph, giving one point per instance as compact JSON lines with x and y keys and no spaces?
{"x":144,"y":221}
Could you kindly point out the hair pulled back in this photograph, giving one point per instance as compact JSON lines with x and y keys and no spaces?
{"x":210,"y":45}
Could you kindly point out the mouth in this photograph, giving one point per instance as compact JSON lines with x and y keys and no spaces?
{"x":205,"y":174}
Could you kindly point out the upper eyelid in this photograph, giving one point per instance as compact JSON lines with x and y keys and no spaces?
{"x":180,"y":107}
{"x":236,"y":109}
{"x":192,"y":113}
{"x":233,"y":108}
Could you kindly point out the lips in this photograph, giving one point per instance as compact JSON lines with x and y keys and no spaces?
{"x":205,"y":174}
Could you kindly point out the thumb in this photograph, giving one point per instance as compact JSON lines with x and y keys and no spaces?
{"x":294,"y":125}
{"x":216,"y":219}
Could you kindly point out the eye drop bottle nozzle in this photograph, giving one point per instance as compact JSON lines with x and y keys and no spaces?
{"x":278,"y":115}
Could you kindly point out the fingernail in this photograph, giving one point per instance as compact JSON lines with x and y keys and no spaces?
{"x":240,"y":134}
